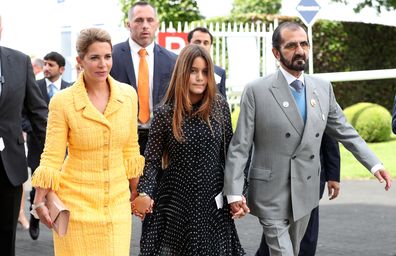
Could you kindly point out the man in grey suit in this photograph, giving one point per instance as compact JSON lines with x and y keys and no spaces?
{"x":54,"y":66}
{"x":18,"y":90}
{"x":284,"y":116}
{"x":204,"y":38}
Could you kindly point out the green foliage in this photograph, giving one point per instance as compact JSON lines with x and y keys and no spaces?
{"x":352,"y":169}
{"x":256,"y":6}
{"x":234,"y":117}
{"x":377,"y":4}
{"x":169,"y":10}
{"x":372,"y":121}
{"x":352,"y":46}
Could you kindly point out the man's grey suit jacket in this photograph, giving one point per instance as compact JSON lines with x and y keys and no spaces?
{"x":285,"y":170}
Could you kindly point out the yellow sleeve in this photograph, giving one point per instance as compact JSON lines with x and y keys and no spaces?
{"x":133,"y":161}
{"x":47,"y":175}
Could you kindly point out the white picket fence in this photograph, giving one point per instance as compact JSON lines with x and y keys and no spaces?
{"x":243,"y":49}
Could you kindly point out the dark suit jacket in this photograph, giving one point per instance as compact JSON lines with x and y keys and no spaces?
{"x":394,"y":117}
{"x":35,"y":148}
{"x":330,"y":161}
{"x":221,"y":86}
{"x":18,"y":91}
{"x":123,"y":70}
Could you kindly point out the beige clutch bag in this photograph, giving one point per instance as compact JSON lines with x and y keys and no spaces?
{"x":58,"y":212}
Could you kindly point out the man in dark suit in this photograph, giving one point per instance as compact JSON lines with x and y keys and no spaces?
{"x":143,"y":23}
{"x":394,"y":117}
{"x":18,"y":89}
{"x":204,"y":38}
{"x":330,"y":173}
{"x":54,"y":66}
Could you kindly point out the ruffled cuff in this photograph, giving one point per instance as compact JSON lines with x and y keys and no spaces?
{"x":46,"y":177}
{"x":134,"y":166}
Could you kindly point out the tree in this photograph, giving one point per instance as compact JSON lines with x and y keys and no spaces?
{"x":169,"y":10}
{"x":256,"y":6}
{"x":377,"y":4}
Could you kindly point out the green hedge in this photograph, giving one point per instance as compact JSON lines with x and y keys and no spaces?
{"x":372,"y":121}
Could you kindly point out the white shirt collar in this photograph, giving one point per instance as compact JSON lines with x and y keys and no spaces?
{"x":135,"y":47}
{"x":289,"y":77}
{"x":57,"y":83}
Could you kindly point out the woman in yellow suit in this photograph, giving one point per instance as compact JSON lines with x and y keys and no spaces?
{"x":96,"y":120}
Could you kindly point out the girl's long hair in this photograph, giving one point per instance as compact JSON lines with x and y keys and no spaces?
{"x":178,"y":93}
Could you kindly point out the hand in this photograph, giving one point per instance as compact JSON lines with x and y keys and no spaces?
{"x":239,"y":208}
{"x":141,"y":206}
{"x":383,"y":175}
{"x":43,"y":214}
{"x":334,"y":188}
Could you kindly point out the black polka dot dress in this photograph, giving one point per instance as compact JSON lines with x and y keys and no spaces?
{"x":185,"y":219}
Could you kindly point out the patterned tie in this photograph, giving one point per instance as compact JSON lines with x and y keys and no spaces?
{"x":143,"y":88}
{"x":297,"y":85}
{"x":51,"y":90}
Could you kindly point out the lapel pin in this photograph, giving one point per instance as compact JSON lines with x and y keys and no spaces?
{"x":313,"y":102}
{"x":285,"y":104}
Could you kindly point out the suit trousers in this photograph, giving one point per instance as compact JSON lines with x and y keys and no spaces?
{"x":283,"y":236}
{"x":308,"y":243}
{"x":10,"y":201}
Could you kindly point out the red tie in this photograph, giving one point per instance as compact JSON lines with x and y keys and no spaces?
{"x":143,"y":88}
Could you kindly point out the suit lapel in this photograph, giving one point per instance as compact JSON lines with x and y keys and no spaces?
{"x":283,"y":96}
{"x":43,"y":88}
{"x":64,"y":84}
{"x":116,"y":99}
{"x":5,"y":72}
{"x":312,"y":105}
{"x":128,"y":63}
{"x":82,"y":102}
{"x":156,"y":75}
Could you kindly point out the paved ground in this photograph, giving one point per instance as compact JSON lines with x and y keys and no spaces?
{"x":361,"y":222}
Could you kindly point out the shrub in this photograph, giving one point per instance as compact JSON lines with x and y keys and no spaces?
{"x":372,"y":121}
{"x":234,"y":117}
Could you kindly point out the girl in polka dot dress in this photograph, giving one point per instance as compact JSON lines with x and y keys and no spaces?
{"x":192,"y":129}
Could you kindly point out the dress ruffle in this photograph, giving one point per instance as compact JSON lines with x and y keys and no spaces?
{"x":134,"y":166}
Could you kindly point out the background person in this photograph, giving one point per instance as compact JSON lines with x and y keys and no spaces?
{"x":54,"y":66}
{"x":18,"y":90}
{"x":149,"y":74}
{"x":201,"y":36}
{"x":193,"y":128}
{"x":38,"y":65}
{"x":93,"y":119}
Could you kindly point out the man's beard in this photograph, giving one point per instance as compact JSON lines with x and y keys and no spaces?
{"x":298,"y":62}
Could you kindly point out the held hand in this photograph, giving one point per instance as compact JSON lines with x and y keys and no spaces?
{"x":239,"y":209}
{"x":334,"y":188}
{"x":383,"y":175}
{"x":142,"y":205}
{"x":43,"y":214}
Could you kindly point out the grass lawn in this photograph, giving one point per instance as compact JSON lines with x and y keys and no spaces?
{"x":386,"y":152}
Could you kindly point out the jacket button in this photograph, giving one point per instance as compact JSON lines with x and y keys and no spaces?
{"x":287,"y":135}
{"x":312,"y":156}
{"x":293,"y":157}
{"x":317,"y":135}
